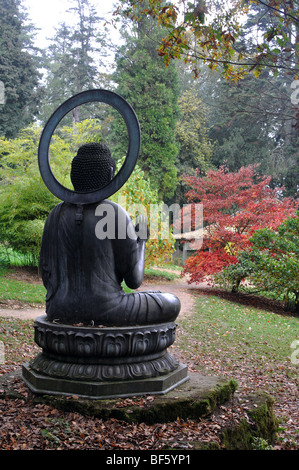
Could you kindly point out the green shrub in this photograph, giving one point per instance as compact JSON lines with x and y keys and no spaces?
{"x":25,"y":201}
{"x":271,"y":264}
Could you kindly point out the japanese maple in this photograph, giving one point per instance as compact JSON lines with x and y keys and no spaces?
{"x":234,"y":206}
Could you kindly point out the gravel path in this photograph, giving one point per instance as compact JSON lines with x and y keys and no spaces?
{"x":178,"y":287}
{"x":22,"y":313}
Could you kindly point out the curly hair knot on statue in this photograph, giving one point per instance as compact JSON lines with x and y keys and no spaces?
{"x":92,"y":167}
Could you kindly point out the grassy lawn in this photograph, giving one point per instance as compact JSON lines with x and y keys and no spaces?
{"x":257,"y":348}
{"x":165,"y":274}
{"x":11,"y":289}
{"x":219,"y":325}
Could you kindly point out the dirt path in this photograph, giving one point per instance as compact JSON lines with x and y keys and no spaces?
{"x":22,"y":313}
{"x":178,"y":287}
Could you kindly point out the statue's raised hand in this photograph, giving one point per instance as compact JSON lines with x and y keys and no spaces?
{"x":141,"y":228}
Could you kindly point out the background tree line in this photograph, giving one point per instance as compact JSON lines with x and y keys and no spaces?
{"x":231,"y":108}
{"x":237,"y":123}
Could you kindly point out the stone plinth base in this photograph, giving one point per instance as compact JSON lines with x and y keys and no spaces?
{"x":103,"y":362}
{"x":42,"y":384}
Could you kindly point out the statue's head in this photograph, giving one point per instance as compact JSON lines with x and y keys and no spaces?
{"x":92,"y":167}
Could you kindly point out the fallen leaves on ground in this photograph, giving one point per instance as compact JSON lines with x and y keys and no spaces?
{"x":275,"y":378}
{"x":29,"y":426}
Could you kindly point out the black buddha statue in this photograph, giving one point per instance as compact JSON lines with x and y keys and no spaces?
{"x":83,"y":270}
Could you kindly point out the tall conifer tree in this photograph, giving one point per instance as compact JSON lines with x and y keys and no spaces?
{"x":74,"y":57}
{"x":152,"y":90}
{"x":18,"y":71}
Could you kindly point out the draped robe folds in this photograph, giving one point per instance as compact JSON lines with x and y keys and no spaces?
{"x":83,"y":274}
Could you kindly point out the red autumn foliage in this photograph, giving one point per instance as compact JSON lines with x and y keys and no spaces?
{"x":234,"y":206}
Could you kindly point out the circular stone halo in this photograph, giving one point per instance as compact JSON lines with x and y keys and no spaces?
{"x":133,"y":127}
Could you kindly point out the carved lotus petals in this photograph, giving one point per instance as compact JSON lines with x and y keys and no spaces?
{"x":88,"y":342}
{"x":104,"y":372}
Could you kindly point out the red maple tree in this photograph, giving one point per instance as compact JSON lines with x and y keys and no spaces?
{"x":234,"y":206}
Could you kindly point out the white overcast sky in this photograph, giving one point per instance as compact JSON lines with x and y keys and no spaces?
{"x":47,"y":14}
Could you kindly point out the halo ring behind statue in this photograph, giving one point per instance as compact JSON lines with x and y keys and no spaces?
{"x":133,"y":128}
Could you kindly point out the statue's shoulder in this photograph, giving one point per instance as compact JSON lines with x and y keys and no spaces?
{"x":56,"y":210}
{"x":117,"y":207}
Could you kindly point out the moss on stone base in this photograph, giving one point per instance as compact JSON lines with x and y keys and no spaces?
{"x":194,"y":399}
{"x":257,"y":432}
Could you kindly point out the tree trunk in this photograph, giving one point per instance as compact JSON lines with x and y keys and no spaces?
{"x":76,"y":115}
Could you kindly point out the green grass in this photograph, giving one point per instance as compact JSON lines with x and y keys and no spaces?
{"x":219,"y":326}
{"x":11,"y":289}
{"x":162,"y":274}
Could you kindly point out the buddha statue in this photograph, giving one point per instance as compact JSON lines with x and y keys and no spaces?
{"x":88,"y":251}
